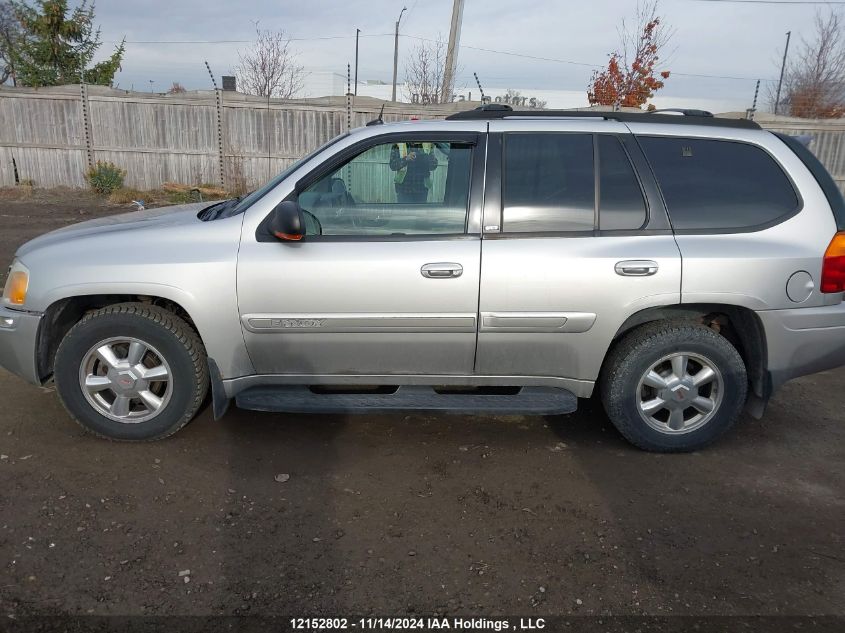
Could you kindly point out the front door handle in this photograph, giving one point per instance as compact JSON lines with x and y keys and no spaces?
{"x":636,"y":268}
{"x":443,"y":270}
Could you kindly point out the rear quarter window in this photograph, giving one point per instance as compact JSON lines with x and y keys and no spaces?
{"x":822,"y":176}
{"x":715,"y":185}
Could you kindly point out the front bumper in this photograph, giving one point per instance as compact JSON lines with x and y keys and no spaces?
{"x":803,"y":341}
{"x":18,"y":338}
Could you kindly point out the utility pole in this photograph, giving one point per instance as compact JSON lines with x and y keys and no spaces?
{"x":396,"y":53}
{"x":452,"y":52}
{"x":357,"y":35}
{"x":782,"y":69}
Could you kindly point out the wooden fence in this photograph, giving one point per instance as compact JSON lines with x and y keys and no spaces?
{"x":50,"y":136}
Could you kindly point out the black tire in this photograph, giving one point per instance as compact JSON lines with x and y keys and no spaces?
{"x":638,"y":351}
{"x":167,"y":333}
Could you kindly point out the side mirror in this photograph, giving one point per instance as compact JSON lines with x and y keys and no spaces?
{"x":287,"y":222}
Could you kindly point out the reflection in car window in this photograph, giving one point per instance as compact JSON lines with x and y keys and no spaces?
{"x":621,"y":203}
{"x":548,"y":183}
{"x":717,"y":185}
{"x":245,"y":202}
{"x":399,"y":188}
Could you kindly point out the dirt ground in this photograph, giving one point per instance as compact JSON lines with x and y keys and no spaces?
{"x":414,"y":514}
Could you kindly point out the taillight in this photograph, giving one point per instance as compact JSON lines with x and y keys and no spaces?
{"x":833,"y":269}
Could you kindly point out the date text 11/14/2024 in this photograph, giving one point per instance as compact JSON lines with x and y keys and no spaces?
{"x":418,"y":624}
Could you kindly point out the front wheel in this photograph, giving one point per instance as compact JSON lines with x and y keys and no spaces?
{"x":131,"y":372}
{"x":671,"y":387}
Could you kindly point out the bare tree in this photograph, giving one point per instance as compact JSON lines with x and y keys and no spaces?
{"x":176,"y":88}
{"x":10,"y":32}
{"x":424,"y":70}
{"x":270,"y":68}
{"x":814,"y":79}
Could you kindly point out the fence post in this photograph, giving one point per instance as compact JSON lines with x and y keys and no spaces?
{"x":221,"y":159}
{"x":86,"y":124}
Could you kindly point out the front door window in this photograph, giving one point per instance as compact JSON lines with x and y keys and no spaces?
{"x":398,"y":188}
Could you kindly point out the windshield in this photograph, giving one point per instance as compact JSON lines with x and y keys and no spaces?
{"x":242,"y":203}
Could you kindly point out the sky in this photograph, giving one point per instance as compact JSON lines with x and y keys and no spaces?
{"x":543,"y":46}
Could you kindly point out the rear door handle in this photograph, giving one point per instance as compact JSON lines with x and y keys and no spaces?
{"x":442,"y":270}
{"x":636,"y":268}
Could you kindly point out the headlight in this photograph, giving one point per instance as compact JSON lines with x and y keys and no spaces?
{"x":17,"y":284}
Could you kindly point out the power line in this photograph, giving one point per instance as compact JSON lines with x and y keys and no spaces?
{"x":478,"y":48}
{"x":292,"y":39}
{"x":576,"y":63}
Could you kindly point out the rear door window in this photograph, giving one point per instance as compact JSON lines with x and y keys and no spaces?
{"x":719,"y":185}
{"x":621,"y":202}
{"x":549,"y":183}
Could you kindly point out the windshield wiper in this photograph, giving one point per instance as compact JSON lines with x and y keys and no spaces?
{"x":220,"y":209}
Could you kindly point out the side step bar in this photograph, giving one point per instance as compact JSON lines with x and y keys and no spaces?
{"x":300,"y":399}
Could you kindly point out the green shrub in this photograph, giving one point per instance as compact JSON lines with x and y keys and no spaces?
{"x":105,"y":177}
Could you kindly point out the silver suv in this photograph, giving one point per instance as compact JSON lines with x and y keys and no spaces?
{"x":497,"y":262}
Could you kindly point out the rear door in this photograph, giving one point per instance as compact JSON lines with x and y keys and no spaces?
{"x":575,"y":241}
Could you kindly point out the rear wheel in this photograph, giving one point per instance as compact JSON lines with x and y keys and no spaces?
{"x":131,"y":372}
{"x":673,"y":386}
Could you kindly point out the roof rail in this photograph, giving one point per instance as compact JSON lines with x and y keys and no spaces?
{"x":684,"y":111}
{"x":496,"y":111}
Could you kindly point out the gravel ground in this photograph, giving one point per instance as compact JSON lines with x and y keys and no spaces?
{"x":396,"y":514}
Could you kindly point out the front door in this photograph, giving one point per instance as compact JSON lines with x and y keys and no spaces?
{"x":575,"y":242}
{"x":385,"y":280}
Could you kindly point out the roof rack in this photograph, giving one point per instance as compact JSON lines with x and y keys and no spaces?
{"x":673,"y":116}
{"x":684,"y":111}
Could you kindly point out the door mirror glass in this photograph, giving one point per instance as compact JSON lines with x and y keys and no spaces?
{"x":287,"y":222}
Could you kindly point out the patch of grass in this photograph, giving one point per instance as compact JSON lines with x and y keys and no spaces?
{"x":170,"y":193}
{"x":125,"y":195}
{"x":180,"y":197}
{"x":22,"y":191}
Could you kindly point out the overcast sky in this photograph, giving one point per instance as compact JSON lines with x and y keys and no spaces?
{"x":742,"y":40}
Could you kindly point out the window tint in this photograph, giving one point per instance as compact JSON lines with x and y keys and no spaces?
{"x":398,"y":188}
{"x":822,"y":176}
{"x":711,"y":184}
{"x":621,"y":203}
{"x":549,"y":183}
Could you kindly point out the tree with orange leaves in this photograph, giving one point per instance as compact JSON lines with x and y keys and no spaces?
{"x":631,"y":78}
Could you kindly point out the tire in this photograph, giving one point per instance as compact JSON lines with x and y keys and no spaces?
{"x":643,"y":407}
{"x":96,"y":379}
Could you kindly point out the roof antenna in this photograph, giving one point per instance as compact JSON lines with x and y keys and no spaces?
{"x":379,"y":120}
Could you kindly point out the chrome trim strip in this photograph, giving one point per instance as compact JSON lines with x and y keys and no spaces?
{"x":580,"y":388}
{"x":363,"y":322}
{"x":537,"y":322}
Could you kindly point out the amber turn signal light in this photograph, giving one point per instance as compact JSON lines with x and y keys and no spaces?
{"x":16,"y":287}
{"x":290,"y":237}
{"x":833,"y":268}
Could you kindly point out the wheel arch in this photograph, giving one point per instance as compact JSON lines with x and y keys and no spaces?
{"x":740,"y":325}
{"x":61,"y":315}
